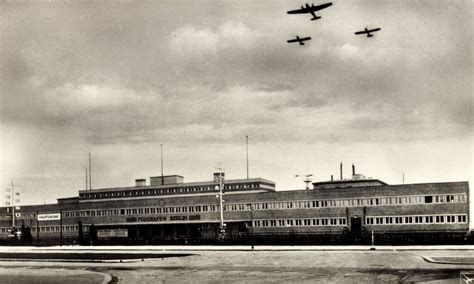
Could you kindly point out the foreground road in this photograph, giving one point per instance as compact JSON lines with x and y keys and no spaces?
{"x":278,"y":265}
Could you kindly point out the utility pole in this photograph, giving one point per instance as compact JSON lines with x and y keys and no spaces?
{"x":13,"y":206}
{"x":162,"y":177}
{"x":60,"y":227}
{"x":86,"y":178}
{"x":247,"y":144}
{"x":37,"y":229}
{"x":90,"y":172}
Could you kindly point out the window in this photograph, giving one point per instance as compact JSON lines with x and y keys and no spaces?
{"x":428,"y":199}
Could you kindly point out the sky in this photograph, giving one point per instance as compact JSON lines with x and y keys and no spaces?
{"x":120,"y":78}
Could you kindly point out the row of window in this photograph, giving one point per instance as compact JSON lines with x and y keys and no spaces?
{"x":50,"y":229}
{"x":142,"y":211}
{"x":301,"y":222}
{"x":382,"y":201}
{"x":456,"y":198}
{"x":137,"y":192}
{"x":416,"y":219}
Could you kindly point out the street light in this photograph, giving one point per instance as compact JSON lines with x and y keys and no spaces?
{"x":221,"y":203}
{"x":251,"y":224}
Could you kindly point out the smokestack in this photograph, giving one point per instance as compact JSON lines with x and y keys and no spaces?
{"x":332,"y":178}
{"x":353,"y":170}
{"x":341,"y":170}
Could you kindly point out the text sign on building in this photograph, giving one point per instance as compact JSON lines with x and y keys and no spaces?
{"x":163,"y":219}
{"x":49,"y":217}
{"x":112,"y":233}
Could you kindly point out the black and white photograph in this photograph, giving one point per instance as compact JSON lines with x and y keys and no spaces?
{"x":236,"y":141}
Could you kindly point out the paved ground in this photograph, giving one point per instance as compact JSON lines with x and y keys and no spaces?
{"x":263,"y":265}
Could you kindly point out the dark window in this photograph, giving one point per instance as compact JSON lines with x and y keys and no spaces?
{"x":429,"y":199}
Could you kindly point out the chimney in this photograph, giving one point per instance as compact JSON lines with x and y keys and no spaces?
{"x":332,"y":178}
{"x":341,"y":170}
{"x":353,"y":170}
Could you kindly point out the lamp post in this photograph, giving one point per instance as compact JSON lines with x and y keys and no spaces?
{"x":13,"y":202}
{"x":221,"y":204}
{"x":251,"y":224}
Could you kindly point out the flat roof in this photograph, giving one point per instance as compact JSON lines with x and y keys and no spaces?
{"x":202,"y":183}
{"x":348,"y":181}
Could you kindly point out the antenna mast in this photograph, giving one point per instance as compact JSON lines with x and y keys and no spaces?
{"x":162,"y":177}
{"x":306,"y":179}
{"x":247,"y":144}
{"x":90,"y":172}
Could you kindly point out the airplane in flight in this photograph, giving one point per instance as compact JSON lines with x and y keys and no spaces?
{"x":298,"y":39}
{"x":368,"y":32}
{"x":310,"y":9}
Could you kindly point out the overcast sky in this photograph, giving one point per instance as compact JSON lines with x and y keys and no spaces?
{"x":119,"y":79}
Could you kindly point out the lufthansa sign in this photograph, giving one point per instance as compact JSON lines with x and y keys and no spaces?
{"x":49,"y":217}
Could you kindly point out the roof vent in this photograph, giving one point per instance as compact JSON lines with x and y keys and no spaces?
{"x":140,"y":182}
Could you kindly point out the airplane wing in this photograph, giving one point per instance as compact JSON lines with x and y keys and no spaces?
{"x":320,"y":7}
{"x":299,"y":11}
{"x":374,"y":30}
{"x":310,"y":9}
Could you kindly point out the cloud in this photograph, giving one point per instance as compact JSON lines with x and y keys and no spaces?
{"x":120,"y":79}
{"x":70,"y":99}
{"x":189,"y":41}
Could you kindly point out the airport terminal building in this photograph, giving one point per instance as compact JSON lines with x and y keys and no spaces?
{"x":358,"y":210}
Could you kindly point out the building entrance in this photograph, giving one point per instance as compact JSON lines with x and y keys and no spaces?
{"x":356,"y":224}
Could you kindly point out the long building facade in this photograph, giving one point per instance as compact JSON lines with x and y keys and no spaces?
{"x":355,"y":211}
